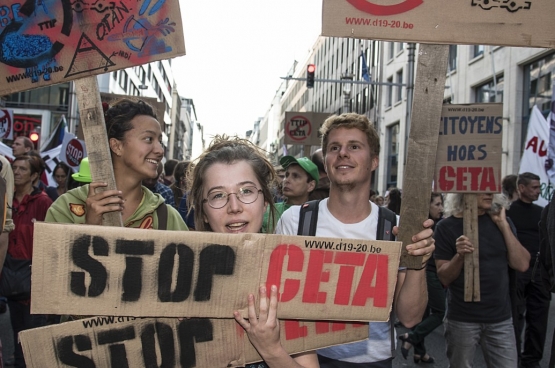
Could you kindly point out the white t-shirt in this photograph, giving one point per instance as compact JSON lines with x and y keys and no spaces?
{"x":378,"y":346}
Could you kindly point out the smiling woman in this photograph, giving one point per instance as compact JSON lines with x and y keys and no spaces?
{"x":134,"y":137}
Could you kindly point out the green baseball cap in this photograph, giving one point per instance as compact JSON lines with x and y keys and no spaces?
{"x":84,"y":174}
{"x":304,"y":162}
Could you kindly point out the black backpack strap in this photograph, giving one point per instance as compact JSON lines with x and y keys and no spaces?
{"x":308,"y":218}
{"x":162,"y":213}
{"x":386,"y":220}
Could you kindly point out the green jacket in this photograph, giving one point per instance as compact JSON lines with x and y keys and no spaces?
{"x":70,"y":207}
{"x":280,"y":209}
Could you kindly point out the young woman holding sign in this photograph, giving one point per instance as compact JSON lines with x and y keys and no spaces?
{"x":134,"y":137}
{"x":230,"y":191}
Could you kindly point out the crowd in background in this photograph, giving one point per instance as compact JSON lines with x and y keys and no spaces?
{"x":516,"y":312}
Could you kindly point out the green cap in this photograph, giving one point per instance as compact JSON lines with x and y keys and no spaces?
{"x":84,"y":174}
{"x":304,"y":162}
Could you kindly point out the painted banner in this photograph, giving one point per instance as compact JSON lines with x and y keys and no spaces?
{"x":469,"y":149}
{"x":52,"y":41}
{"x":6,"y":124}
{"x":73,"y":151}
{"x":100,"y":270}
{"x":480,"y":22}
{"x":535,"y":156}
{"x":164,"y":342}
{"x":304,"y":127}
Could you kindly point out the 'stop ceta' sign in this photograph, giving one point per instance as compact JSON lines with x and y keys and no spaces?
{"x":132,"y":272}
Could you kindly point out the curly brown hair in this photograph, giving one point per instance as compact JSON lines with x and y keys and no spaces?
{"x":228,"y":150}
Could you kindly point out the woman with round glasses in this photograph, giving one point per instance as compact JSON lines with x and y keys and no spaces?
{"x":230,"y":191}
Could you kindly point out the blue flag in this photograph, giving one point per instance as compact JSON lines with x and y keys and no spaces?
{"x":365,"y":74}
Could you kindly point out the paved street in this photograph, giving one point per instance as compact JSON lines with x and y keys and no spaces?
{"x":435,"y":344}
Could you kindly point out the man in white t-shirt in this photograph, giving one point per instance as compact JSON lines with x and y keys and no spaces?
{"x":351,"y":147}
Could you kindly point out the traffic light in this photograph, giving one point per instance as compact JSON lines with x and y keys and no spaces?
{"x":34,"y":137}
{"x":310,"y":70}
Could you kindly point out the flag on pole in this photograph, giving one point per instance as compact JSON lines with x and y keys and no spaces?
{"x":535,"y":154}
{"x":56,"y":138}
{"x":365,"y":74}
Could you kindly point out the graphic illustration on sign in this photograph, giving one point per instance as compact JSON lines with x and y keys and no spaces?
{"x":52,"y":41}
{"x":298,"y":128}
{"x":376,"y":9}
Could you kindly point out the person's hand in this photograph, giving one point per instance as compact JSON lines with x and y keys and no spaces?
{"x":499,"y":217}
{"x":423,"y":243}
{"x":464,"y":246}
{"x":264,"y":331}
{"x":100,"y":203}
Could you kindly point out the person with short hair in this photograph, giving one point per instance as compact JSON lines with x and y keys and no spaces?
{"x":61,"y":174}
{"x":301,"y":178}
{"x":30,"y":204}
{"x":168,"y":177}
{"x":532,"y":297}
{"x":179,"y":184}
{"x":509,"y":186}
{"x":435,"y":311}
{"x":22,"y":145}
{"x":351,"y":147}
{"x":322,"y":190}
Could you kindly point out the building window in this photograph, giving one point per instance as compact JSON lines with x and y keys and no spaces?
{"x":399,"y":88}
{"x":389,"y":94}
{"x":477,"y":50}
{"x":537,"y":89}
{"x":392,"y":154}
{"x":452,"y":57}
{"x":391,"y":51}
{"x":400,"y":46}
{"x":491,"y":91}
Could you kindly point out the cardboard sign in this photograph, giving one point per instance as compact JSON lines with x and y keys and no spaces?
{"x":525,"y":23}
{"x":6,"y":124}
{"x":131,"y":342}
{"x":73,"y":151}
{"x":95,"y":270}
{"x":303,"y":127}
{"x":54,"y":41}
{"x":469,"y":149}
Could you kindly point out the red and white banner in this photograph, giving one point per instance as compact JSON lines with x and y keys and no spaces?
{"x":73,"y":151}
{"x":6,"y":124}
{"x":535,"y":155}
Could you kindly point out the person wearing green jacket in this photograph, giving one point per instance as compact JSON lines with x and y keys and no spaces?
{"x":134,"y":137}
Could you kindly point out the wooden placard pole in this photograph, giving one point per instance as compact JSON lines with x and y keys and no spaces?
{"x":94,"y":131}
{"x":471,"y":261}
{"x":429,"y":89}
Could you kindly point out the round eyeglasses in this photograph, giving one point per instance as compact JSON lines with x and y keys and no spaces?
{"x":220,"y":198}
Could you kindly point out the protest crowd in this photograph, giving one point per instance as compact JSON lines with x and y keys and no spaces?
{"x":233,"y":188}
